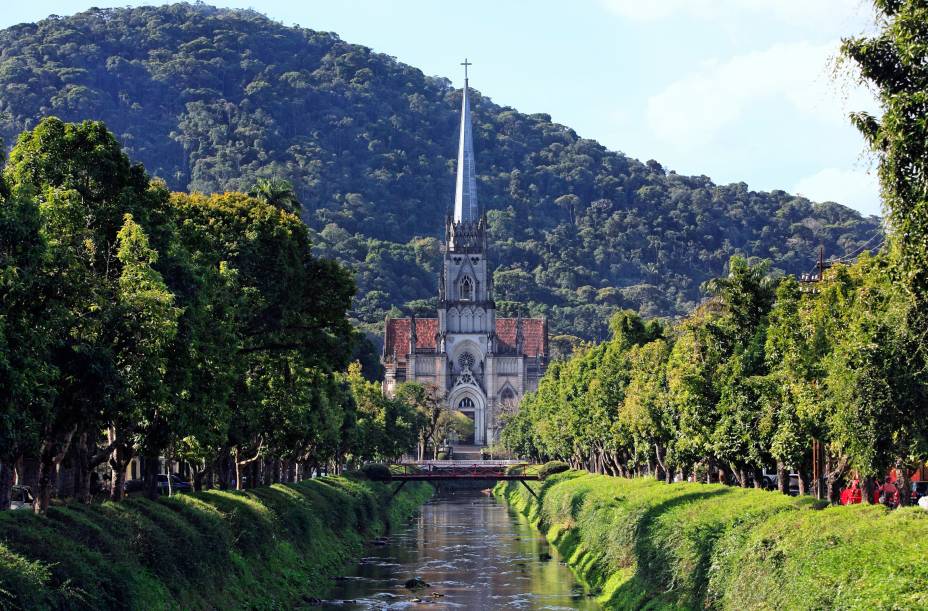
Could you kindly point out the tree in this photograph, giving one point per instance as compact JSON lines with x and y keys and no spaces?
{"x":385,"y":426}
{"x":84,"y":185}
{"x":646,"y":409}
{"x":276,"y":192}
{"x":431,"y":414}
{"x":895,"y":62}
{"x":26,"y":375}
{"x":143,"y":326}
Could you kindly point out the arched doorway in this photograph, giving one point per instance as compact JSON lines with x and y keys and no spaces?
{"x":467,"y":407}
{"x":470,"y":401}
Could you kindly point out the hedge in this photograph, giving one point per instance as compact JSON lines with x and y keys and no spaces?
{"x":263,"y":548}
{"x":643,"y":544}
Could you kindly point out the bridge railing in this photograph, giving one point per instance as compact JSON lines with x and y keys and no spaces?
{"x":462,"y":463}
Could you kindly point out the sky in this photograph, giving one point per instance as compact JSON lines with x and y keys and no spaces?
{"x":738,"y":90}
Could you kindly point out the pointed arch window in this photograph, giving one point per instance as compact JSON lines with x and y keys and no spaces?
{"x":466,"y":404}
{"x":467,"y":289}
{"x":508,"y":397}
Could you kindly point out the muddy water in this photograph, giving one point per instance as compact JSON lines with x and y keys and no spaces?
{"x":473,"y":551}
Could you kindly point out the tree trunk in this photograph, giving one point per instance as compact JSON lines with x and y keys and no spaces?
{"x":869,"y":487}
{"x":662,"y":472}
{"x":119,"y":461}
{"x":904,"y":489}
{"x":803,"y":480}
{"x":198,"y":474}
{"x":758,"y":477}
{"x":151,"y":476}
{"x":6,"y":484}
{"x":238,"y":471}
{"x":782,"y":478}
{"x":80,"y":458}
{"x":53,"y":450}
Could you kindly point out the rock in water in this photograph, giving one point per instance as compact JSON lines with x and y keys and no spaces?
{"x":415,"y":583}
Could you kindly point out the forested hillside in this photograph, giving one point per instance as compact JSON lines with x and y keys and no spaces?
{"x":212,"y":99}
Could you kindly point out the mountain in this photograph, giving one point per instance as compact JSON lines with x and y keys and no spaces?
{"x":211,"y":99}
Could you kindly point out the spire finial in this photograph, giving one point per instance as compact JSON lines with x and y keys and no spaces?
{"x":466,"y":63}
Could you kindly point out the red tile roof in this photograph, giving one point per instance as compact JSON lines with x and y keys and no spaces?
{"x":534,"y":333}
{"x":397,"y":336}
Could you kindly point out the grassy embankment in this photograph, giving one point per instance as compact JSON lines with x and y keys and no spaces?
{"x":273,"y":547}
{"x":643,"y":544}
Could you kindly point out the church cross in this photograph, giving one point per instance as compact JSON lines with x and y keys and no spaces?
{"x":466,"y":63}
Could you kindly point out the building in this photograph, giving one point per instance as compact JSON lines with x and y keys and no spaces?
{"x":480,"y":364}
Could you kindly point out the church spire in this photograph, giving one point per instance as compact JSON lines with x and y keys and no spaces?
{"x":465,"y":191}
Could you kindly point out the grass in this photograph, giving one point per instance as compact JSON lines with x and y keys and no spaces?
{"x":266,"y":548}
{"x":643,"y":544}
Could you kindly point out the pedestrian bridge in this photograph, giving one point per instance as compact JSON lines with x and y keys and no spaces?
{"x":461,"y":470}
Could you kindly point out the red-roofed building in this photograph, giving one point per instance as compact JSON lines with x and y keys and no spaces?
{"x":481,"y":364}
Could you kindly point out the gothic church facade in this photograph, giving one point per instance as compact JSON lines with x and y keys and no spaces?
{"x":481,"y":364}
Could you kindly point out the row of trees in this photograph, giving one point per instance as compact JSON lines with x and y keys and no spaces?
{"x":139,"y":323}
{"x":751,"y":379}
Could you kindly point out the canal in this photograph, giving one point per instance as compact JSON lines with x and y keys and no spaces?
{"x":473,"y":551}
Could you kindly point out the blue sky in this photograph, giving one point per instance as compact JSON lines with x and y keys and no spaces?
{"x":738,"y":90}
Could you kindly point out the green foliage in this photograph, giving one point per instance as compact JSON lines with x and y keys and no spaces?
{"x":644,"y":544}
{"x":552,"y":467}
{"x":377,"y":472}
{"x":894,"y":62}
{"x":385,"y":428}
{"x":216,"y":100}
{"x":180,"y":326}
{"x":746,"y":381}
{"x":267,"y":547}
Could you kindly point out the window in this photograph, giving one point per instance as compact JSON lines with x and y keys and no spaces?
{"x":466,"y":404}
{"x":467,"y":289}
{"x":507,"y":397}
{"x":466,"y":360}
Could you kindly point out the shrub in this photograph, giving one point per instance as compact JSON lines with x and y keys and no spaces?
{"x":646,"y":544}
{"x":265,"y":547}
{"x":442,"y":455}
{"x":377,"y":472}
{"x":552,"y":467}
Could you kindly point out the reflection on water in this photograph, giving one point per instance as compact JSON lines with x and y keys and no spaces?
{"x":473,"y":552}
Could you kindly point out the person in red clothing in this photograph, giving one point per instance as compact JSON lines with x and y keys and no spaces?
{"x":888,"y":494}
{"x":852,"y":495}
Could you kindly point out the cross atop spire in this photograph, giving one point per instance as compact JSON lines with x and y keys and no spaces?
{"x":466,"y":63}
{"x":465,"y":190}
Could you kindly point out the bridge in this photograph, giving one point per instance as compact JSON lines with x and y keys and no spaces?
{"x":462,"y":470}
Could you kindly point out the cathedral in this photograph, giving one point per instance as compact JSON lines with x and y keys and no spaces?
{"x":479,"y":363}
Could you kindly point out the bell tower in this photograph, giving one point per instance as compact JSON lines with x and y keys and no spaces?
{"x":465,"y":287}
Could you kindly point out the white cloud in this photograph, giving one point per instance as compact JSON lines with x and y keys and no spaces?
{"x":859,"y":190}
{"x":691,"y":111}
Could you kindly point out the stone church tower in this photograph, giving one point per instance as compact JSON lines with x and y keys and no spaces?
{"x":480,"y":363}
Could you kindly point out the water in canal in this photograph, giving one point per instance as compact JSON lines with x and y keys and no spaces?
{"x":473,"y":551}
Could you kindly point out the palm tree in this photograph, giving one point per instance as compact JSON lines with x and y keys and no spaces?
{"x":276,"y":192}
